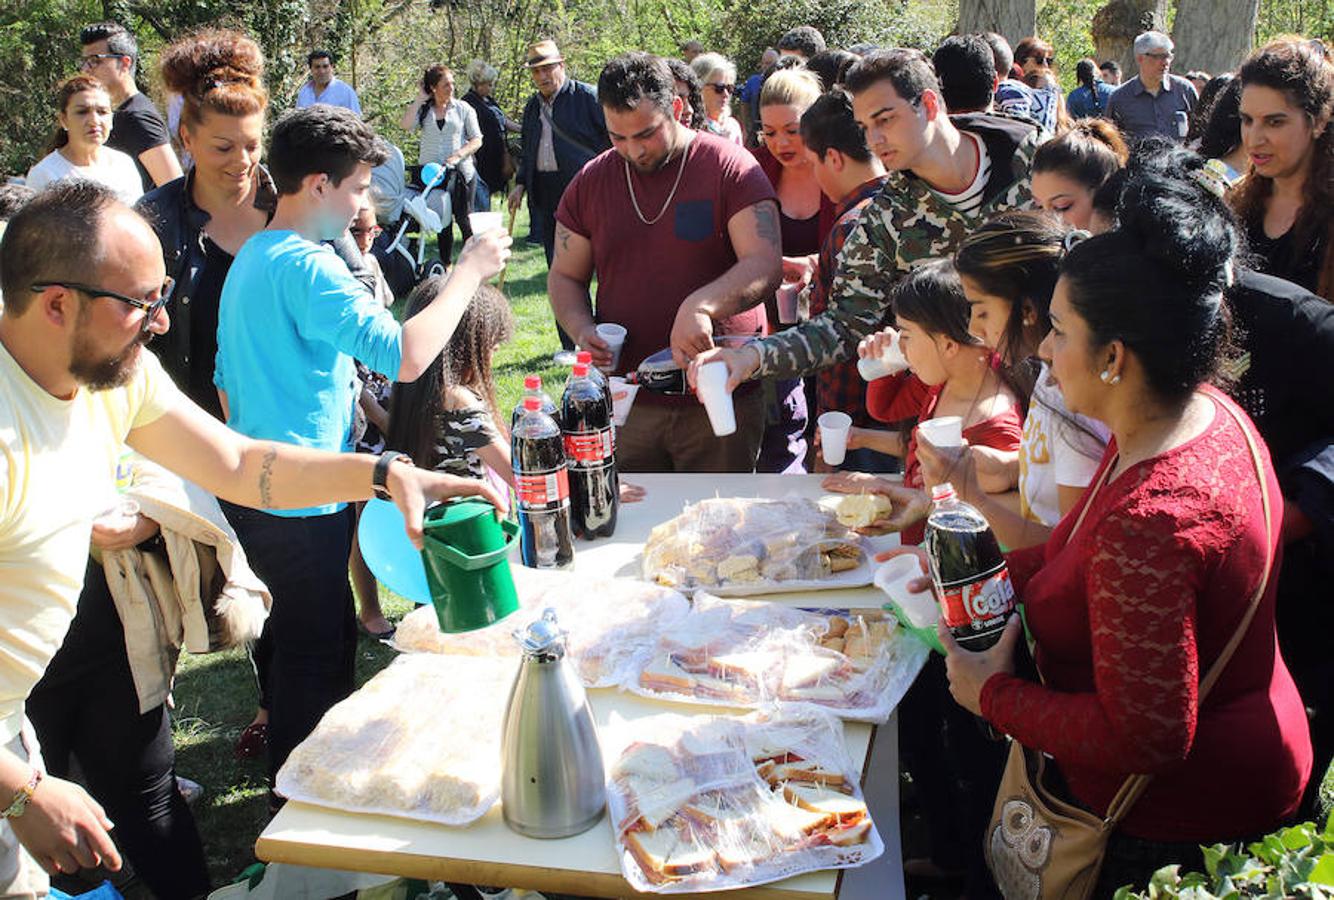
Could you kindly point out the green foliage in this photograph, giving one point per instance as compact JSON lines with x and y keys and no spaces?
{"x":1291,"y":862}
{"x":746,"y":27}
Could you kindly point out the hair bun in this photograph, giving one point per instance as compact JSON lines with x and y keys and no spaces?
{"x":209,"y":59}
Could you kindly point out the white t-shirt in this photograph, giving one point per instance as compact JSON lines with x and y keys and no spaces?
{"x":969,"y":200}
{"x":57,"y":472}
{"x":336,"y":93}
{"x":1058,"y":448}
{"x":114,"y":169}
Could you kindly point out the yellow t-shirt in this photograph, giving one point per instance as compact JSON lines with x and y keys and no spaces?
{"x":57,"y":472}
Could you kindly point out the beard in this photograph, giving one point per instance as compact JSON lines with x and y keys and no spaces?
{"x":103,"y":373}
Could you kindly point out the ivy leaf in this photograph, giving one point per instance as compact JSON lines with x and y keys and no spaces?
{"x":1323,"y":871}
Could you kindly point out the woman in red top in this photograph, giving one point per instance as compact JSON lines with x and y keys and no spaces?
{"x":1130,"y":610}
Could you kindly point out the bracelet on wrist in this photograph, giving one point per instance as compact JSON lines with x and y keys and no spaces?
{"x":20,"y":802}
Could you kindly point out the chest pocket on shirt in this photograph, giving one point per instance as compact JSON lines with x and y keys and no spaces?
{"x":694,"y":220}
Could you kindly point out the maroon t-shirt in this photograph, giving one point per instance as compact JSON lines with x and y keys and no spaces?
{"x":645,"y":271}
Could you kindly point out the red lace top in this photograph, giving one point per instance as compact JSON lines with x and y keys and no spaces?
{"x":1129,"y":615}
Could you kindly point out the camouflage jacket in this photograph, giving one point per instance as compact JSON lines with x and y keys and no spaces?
{"x":906,"y":225}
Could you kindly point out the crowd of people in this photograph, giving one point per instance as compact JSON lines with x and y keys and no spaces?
{"x":1125,"y":293}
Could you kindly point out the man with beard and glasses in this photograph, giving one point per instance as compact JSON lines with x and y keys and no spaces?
{"x":681,"y":229}
{"x":84,"y":288}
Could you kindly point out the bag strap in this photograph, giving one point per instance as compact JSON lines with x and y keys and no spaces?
{"x":560,"y":132}
{"x":1135,"y":785}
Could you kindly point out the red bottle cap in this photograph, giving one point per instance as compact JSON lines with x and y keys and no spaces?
{"x":580,"y":370}
{"x":532,"y":382}
{"x":532,"y":403}
{"x":584,"y":356}
{"x":942,"y":491}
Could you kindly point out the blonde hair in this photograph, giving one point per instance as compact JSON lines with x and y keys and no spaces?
{"x":791,"y":87}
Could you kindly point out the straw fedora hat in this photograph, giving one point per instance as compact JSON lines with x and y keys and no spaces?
{"x":543,"y":53}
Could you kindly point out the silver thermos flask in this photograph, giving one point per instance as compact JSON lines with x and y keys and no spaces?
{"x":552,"y":783}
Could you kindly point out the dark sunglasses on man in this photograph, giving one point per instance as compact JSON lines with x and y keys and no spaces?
{"x":150,"y":307}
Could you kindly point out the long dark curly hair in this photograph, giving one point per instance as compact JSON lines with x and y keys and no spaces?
{"x":1300,"y":71}
{"x":465,"y":362}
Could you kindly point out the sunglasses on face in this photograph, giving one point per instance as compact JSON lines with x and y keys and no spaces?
{"x":373,"y":231}
{"x":721,"y":88}
{"x":150,"y":307}
{"x":1044,"y":60}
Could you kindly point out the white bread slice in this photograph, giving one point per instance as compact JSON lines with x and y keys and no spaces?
{"x":665,"y":854}
{"x":833,"y":693}
{"x":806,"y":770}
{"x":745,"y":667}
{"x":656,"y":801}
{"x":848,"y":835}
{"x":793,"y":821}
{"x":664,"y":675}
{"x":821,"y":799}
{"x":652,"y":762}
{"x":745,"y":850}
{"x":805,"y":669}
{"x":719,"y":814}
{"x":716,"y":688}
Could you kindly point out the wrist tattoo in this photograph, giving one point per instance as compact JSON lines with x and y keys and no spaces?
{"x":266,"y":478}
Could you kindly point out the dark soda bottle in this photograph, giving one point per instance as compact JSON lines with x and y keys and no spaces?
{"x":660,"y":374}
{"x":532,"y":387}
{"x":968,"y":568}
{"x":596,"y":375}
{"x":590,"y":454}
{"x":542,"y":487}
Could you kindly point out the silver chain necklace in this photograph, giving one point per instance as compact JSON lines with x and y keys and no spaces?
{"x":685,"y":151}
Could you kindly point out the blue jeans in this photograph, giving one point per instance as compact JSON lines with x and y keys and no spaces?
{"x":481,"y":195}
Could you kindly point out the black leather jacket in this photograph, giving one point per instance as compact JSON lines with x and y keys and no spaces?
{"x":180,"y":224}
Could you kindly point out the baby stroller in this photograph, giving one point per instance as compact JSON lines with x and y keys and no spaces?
{"x":415,"y":213}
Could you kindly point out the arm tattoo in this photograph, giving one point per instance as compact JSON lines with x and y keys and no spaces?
{"x":563,"y":235}
{"x":266,"y":478}
{"x":766,"y":223}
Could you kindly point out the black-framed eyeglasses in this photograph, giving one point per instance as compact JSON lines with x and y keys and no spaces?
{"x":87,"y":62}
{"x":150,"y":307}
{"x":721,"y":88}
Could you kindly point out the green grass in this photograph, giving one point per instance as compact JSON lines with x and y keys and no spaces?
{"x":215,"y":694}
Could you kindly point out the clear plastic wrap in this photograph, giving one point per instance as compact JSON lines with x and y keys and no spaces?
{"x":420,"y":740}
{"x":749,"y":653}
{"x":736,"y":546}
{"x":704,"y":803}
{"x":609,"y":621}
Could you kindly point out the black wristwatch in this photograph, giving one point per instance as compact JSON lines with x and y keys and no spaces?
{"x":380,"y":477}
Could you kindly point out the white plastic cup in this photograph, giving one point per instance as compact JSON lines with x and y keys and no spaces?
{"x":622,"y":398}
{"x":614,"y":336}
{"x":711,"y":386}
{"x":787,"y":295}
{"x":890,"y":362}
{"x":482,"y":222}
{"x":120,"y":514}
{"x":834,"y":427}
{"x":945,"y":431}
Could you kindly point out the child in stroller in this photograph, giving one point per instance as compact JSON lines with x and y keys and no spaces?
{"x":412,"y":213}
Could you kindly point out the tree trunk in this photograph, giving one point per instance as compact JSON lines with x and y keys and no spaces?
{"x":1116,"y":25}
{"x":1213,"y":35}
{"x":1015,"y":19}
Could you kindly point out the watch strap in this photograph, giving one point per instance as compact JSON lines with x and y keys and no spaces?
{"x":380,"y":476}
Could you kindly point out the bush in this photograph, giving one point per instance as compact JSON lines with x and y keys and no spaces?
{"x":1292,"y":862}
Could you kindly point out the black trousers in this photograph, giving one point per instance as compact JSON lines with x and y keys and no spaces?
{"x":312,"y":625}
{"x":85,"y":710}
{"x":542,"y":205}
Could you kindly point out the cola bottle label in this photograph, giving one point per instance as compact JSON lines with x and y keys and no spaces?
{"x":976,"y":609}
{"x":589,"y":449}
{"x":542,"y":490}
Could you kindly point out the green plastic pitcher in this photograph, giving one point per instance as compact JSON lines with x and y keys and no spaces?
{"x":465,"y":551}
